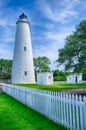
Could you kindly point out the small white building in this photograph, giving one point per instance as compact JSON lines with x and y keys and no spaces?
{"x":74,"y":78}
{"x":45,"y":78}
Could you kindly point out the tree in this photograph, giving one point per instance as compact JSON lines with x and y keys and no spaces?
{"x":73,"y":54}
{"x":84,"y":74}
{"x":5,"y":68}
{"x":41,"y":64}
{"x":59,"y":75}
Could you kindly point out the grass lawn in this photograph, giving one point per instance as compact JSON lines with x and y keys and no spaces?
{"x":16,"y":116}
{"x":55,"y":87}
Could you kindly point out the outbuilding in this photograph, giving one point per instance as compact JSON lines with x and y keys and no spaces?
{"x":45,"y":78}
{"x":74,"y":78}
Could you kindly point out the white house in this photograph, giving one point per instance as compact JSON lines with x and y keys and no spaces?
{"x":45,"y":78}
{"x":74,"y":78}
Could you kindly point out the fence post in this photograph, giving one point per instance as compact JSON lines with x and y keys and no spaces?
{"x":3,"y":87}
{"x":84,"y":113}
{"x":81,"y":112}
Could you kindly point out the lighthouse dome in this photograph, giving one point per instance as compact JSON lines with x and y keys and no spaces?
{"x":22,"y":18}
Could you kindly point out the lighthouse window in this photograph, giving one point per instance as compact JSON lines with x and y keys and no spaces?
{"x":25,"y":72}
{"x":24,"y":48}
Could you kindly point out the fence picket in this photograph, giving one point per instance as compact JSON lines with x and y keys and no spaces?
{"x":63,"y":108}
{"x":70,"y":111}
{"x":77,"y":113}
{"x":64,"y":101}
{"x":74,"y":113}
{"x":81,"y":113}
{"x":84,"y":113}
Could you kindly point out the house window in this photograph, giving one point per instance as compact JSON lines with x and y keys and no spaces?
{"x":25,"y":73}
{"x":24,"y":48}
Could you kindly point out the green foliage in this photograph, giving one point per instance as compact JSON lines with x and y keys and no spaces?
{"x":59,"y":75}
{"x":59,"y":78}
{"x":84,"y":74}
{"x":68,"y":73}
{"x":73,"y":55}
{"x":5,"y":68}
{"x":42,"y":64}
{"x":16,"y":116}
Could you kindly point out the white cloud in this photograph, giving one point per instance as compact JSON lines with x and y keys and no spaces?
{"x":49,"y":32}
{"x":49,"y":51}
{"x":60,"y":34}
{"x":5,"y":52}
{"x":3,"y":22}
{"x":7,"y":31}
{"x":58,"y":11}
{"x":57,"y":41}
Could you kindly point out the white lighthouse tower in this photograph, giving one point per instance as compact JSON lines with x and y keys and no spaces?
{"x":22,"y":68}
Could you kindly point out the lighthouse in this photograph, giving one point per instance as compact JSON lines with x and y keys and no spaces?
{"x":22,"y":67}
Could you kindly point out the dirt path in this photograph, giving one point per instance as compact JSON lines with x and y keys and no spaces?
{"x":81,"y":91}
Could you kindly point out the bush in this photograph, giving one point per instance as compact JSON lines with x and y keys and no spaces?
{"x":59,"y":78}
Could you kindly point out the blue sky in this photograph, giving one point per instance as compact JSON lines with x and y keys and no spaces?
{"x":50,"y":22}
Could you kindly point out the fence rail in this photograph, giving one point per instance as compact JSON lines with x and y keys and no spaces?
{"x":65,"y":109}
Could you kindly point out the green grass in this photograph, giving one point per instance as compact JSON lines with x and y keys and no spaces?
{"x":16,"y":116}
{"x":55,"y":87}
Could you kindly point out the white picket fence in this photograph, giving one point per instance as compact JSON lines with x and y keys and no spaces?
{"x":65,"y":109}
